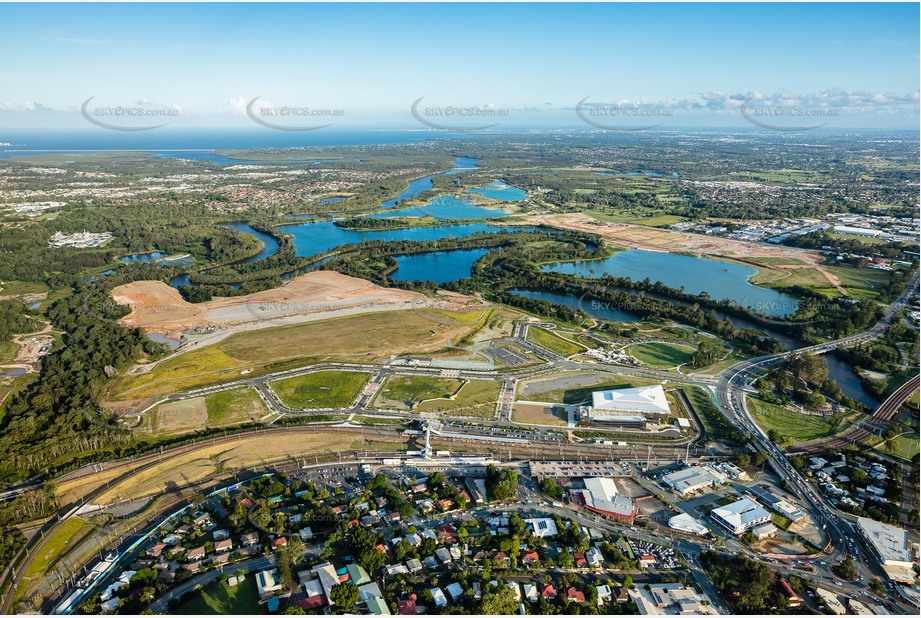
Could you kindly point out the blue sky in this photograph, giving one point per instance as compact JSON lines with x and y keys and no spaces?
{"x":531,"y":62}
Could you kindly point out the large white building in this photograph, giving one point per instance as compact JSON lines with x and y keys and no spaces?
{"x":740,"y":516}
{"x":695,"y":478}
{"x":891,"y":546}
{"x":635,"y":404}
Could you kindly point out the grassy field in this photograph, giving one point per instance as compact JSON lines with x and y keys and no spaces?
{"x":904,"y":447}
{"x":233,"y":407}
{"x":222,"y":599}
{"x":321,"y":389}
{"x":365,"y":337}
{"x":862,"y":283}
{"x":661,"y":355}
{"x":793,"y":425}
{"x":56,"y":545}
{"x":545,"y":339}
{"x":800,"y":277}
{"x":430,"y":394}
{"x":715,"y":424}
{"x":178,"y":416}
{"x":16,"y":288}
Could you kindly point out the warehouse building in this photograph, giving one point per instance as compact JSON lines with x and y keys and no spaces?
{"x":601,"y":496}
{"x":695,"y":478}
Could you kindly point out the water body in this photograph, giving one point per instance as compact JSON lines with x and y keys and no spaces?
{"x":444,"y":208}
{"x":313,"y":238}
{"x":438,"y":267}
{"x":420,"y":185}
{"x":269,"y":244}
{"x":330,"y":200}
{"x":501,"y":191}
{"x":172,"y":343}
{"x":721,"y":280}
{"x":143,"y":257}
{"x":15,"y":371}
{"x":843,"y":374}
{"x":596,"y":309}
{"x":195,"y":145}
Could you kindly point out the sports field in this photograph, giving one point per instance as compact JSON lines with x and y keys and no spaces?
{"x":321,"y":389}
{"x":661,"y":355}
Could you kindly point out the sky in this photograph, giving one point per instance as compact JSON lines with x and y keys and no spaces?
{"x":305,"y":66}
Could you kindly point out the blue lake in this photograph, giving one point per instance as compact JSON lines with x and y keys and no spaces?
{"x":320,"y":237}
{"x":269,"y":244}
{"x":438,"y":267}
{"x":596,"y":309}
{"x":143,"y":257}
{"x":721,"y":280}
{"x":501,"y":191}
{"x":330,"y":200}
{"x":444,"y":208}
{"x":420,"y":185}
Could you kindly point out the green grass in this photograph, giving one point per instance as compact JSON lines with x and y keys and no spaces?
{"x":793,"y":425}
{"x":861,"y":283}
{"x":905,"y":447}
{"x":431,"y":394}
{"x":16,"y":288}
{"x":54,"y":548}
{"x":366,"y":337}
{"x":552,"y":342}
{"x":715,"y":424}
{"x":660,"y":355}
{"x":234,"y":406}
{"x":321,"y":389}
{"x":221,"y":598}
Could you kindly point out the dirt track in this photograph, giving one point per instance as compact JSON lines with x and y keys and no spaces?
{"x":159,"y":308}
{"x":656,"y":239}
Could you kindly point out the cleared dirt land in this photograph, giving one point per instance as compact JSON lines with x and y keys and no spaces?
{"x":232,"y":407}
{"x":370,"y":337}
{"x":537,"y":414}
{"x":158,"y":308}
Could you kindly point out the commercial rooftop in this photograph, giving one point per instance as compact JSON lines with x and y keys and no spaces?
{"x":891,"y":543}
{"x":645,"y":399}
{"x":601,"y":495}
{"x":741,"y":515}
{"x":693,"y":479}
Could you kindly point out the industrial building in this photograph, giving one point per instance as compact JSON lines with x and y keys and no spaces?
{"x":740,"y":516}
{"x":890,"y":544}
{"x":601,"y":496}
{"x":693,"y":479}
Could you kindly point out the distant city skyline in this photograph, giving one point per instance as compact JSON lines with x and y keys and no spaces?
{"x":506,"y":66}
